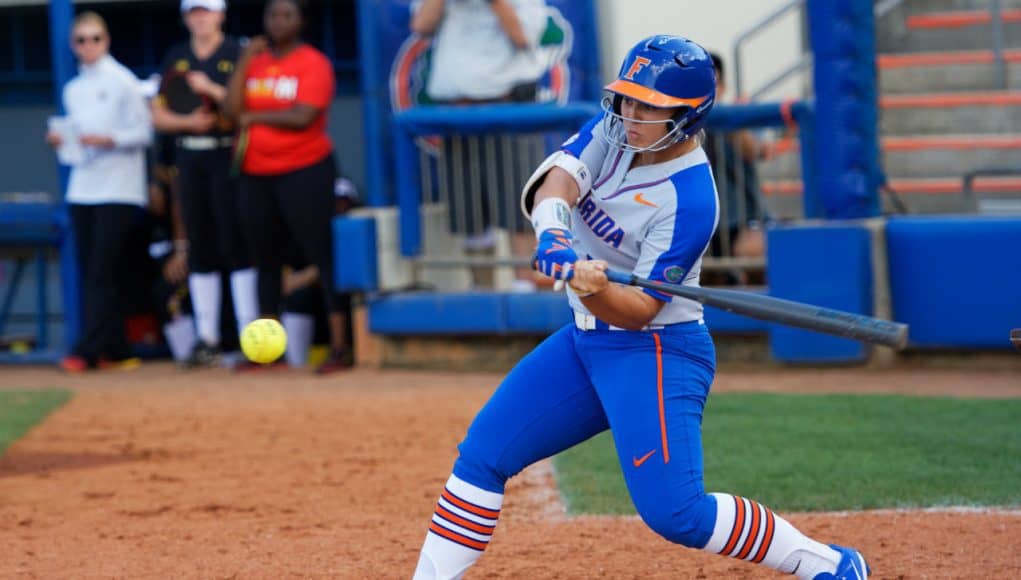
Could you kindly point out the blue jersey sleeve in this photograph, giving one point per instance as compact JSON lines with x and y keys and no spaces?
{"x":588,"y":144}
{"x":676,"y":240}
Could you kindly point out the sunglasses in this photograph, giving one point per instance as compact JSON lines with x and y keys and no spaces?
{"x":85,"y":39}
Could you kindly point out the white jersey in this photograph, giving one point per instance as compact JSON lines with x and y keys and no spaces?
{"x":654,"y":221}
{"x":106,"y":99}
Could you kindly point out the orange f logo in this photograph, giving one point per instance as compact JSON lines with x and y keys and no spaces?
{"x":637,"y":65}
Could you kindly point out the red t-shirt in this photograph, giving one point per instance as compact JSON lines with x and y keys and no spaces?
{"x":304,"y":76}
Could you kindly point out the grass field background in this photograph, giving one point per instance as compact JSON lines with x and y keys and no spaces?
{"x":832,"y":452}
{"x":20,"y":410}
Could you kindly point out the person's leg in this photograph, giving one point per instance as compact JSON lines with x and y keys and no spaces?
{"x":114,"y":226}
{"x":231,"y":239}
{"x":307,"y":204}
{"x":339,"y":323}
{"x":653,"y":387}
{"x":299,"y":321}
{"x":545,"y":405}
{"x":83,"y":227}
{"x":266,"y":237}
{"x":204,"y":259}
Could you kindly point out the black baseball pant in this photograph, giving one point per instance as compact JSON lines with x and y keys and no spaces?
{"x":212,"y":220}
{"x":296,"y":206}
{"x":102,"y":232}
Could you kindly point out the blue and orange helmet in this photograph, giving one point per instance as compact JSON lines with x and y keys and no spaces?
{"x":667,"y":72}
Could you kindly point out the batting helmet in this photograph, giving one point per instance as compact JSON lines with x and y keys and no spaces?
{"x":667,"y":72}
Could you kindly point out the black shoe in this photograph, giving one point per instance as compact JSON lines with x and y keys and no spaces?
{"x":337,"y":361}
{"x":203,"y":356}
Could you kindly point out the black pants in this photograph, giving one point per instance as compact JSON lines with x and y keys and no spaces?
{"x":102,"y":233}
{"x":212,"y":219}
{"x":294,"y":206}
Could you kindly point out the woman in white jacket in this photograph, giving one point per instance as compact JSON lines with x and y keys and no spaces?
{"x":109,"y":118}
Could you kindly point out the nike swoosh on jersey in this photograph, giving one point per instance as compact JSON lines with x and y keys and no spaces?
{"x":640,"y":198}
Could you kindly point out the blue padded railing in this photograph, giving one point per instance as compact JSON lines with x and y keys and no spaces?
{"x":517,"y":118}
{"x":473,"y":120}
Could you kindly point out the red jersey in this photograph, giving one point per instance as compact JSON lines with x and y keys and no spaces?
{"x":304,"y":76}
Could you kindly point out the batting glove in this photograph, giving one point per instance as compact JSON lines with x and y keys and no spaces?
{"x":554,"y":256}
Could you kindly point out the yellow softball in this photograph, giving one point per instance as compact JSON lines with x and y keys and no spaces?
{"x":263,"y":340}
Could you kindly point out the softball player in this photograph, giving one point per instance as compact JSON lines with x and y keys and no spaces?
{"x":189,"y":107}
{"x":632,"y":191}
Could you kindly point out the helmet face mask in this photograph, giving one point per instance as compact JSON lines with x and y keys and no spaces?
{"x":615,"y":133}
{"x":663,"y":72}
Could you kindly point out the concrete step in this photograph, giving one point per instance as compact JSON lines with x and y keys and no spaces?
{"x":954,"y":77}
{"x":785,"y":207}
{"x":940,"y":161}
{"x":937,"y":58}
{"x":903,"y":38}
{"x":919,"y":195}
{"x":958,"y":19}
{"x":949,"y":113}
{"x":921,"y":156}
{"x":927,"y":6}
{"x":782,"y":167}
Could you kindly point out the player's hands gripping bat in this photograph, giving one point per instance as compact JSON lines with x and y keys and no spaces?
{"x":554,"y":256}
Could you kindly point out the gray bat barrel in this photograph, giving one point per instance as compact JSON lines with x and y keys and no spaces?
{"x":836,"y":322}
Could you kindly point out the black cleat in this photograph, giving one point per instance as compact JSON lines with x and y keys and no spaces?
{"x":203,"y":356}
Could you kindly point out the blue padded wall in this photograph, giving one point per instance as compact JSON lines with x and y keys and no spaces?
{"x":825,"y":265}
{"x":354,"y":254}
{"x":425,"y":313}
{"x":847,"y":171}
{"x":956,"y":280}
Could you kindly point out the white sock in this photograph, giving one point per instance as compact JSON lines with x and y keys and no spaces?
{"x":205,"y":303}
{"x":750,"y":531}
{"x":461,"y":527}
{"x":244,"y":292}
{"x":299,"y":328}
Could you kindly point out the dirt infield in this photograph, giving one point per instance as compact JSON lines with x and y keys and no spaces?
{"x":162,"y":474}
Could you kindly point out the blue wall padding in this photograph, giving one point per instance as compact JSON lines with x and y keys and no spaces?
{"x":436,"y":313}
{"x":847,"y":170}
{"x":539,"y":312}
{"x":425,"y":313}
{"x":825,"y":265}
{"x":956,"y":280}
{"x":723,"y":322}
{"x":354,"y":254}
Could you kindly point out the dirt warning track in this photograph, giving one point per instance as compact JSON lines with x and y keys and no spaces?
{"x":163,"y":474}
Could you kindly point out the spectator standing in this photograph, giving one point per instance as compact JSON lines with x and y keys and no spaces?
{"x":200,"y":69}
{"x":733,"y":157}
{"x":303,"y":316}
{"x":106,"y":193}
{"x":280,"y":95}
{"x":484,"y":51}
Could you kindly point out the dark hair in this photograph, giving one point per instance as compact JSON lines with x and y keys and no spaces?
{"x":717,"y":63}
{"x":301,"y":5}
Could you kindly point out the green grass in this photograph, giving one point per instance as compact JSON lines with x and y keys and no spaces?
{"x":20,"y":410}
{"x":817,"y":452}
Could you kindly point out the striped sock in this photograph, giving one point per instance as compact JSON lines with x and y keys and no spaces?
{"x":749,"y":531}
{"x":460,"y":530}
